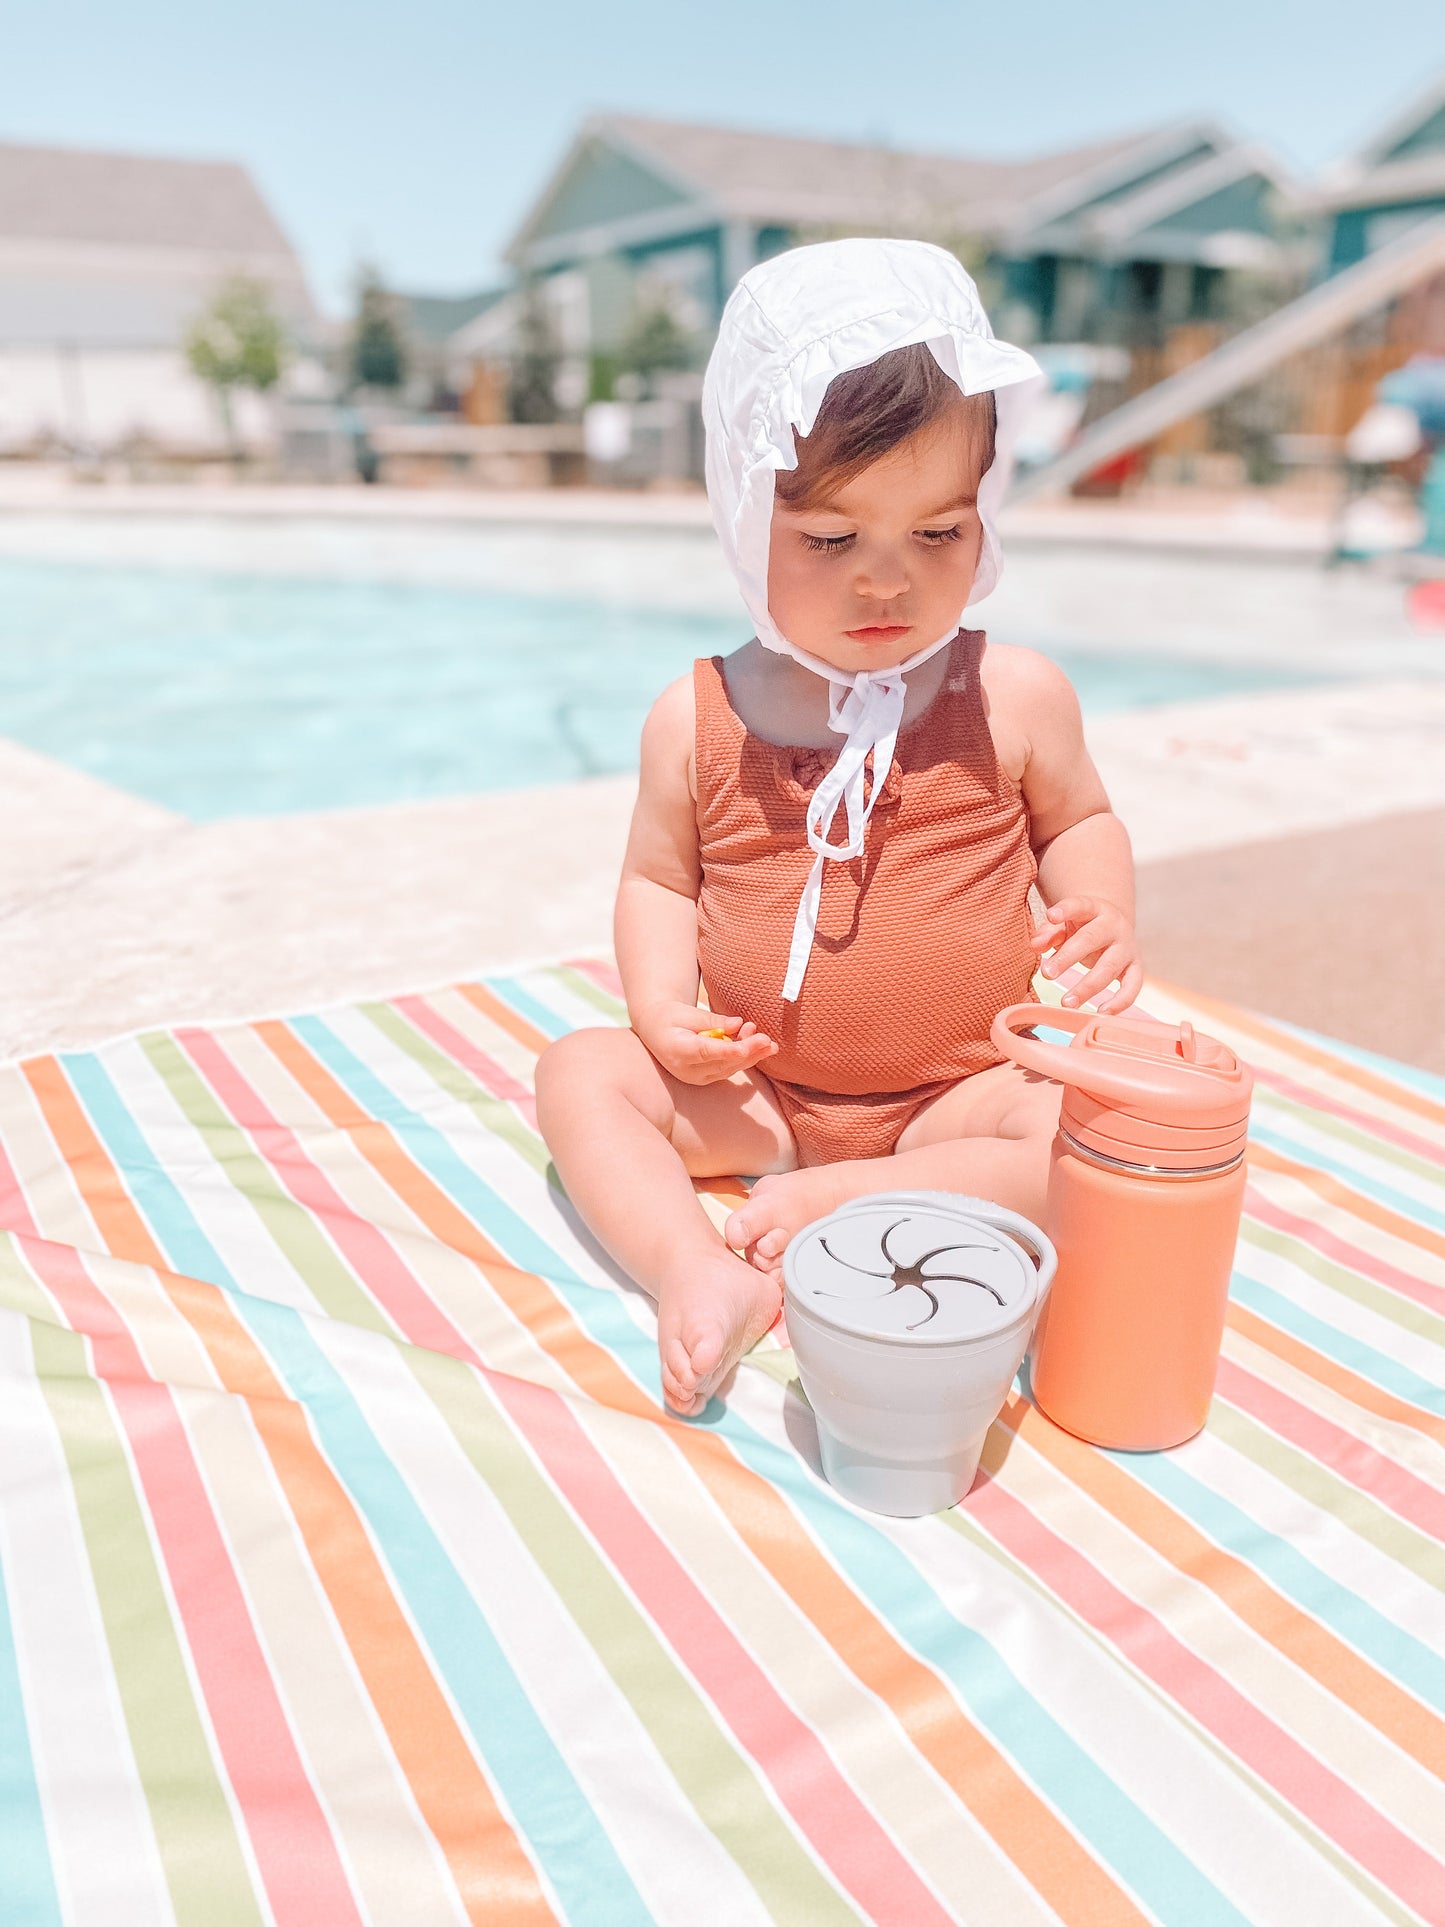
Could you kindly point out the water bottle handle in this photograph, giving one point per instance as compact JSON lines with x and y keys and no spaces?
{"x":1047,"y":1059}
{"x":1151,"y":1085}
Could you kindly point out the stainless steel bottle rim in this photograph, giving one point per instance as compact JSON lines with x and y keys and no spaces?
{"x":1164,"y":1171}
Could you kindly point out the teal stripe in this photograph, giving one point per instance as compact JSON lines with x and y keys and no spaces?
{"x":1358,"y":1180}
{"x":1327,"y":1339}
{"x":1429,"y":1082}
{"x":1141,"y":1854}
{"x":535,"y":1781}
{"x":27,"y":1881}
{"x":528,"y":1006}
{"x":1395,"y":1651}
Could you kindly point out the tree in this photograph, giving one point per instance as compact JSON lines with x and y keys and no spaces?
{"x":238,"y":341}
{"x":378,"y":347}
{"x":656,"y":343}
{"x":532,"y":390}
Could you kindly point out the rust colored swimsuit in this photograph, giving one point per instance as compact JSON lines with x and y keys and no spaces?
{"x":920,"y":942}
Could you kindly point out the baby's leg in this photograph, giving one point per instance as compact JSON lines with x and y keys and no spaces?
{"x":627,"y":1140}
{"x":989,"y":1136}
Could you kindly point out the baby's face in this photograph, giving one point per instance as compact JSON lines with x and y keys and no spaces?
{"x":883,"y":567}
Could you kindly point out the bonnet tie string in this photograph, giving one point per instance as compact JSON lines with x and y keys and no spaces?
{"x":866,"y":709}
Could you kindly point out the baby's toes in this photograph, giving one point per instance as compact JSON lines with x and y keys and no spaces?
{"x":678,"y":1377}
{"x":745,"y":1224}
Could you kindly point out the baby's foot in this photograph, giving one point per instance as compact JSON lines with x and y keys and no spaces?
{"x":708,"y":1315}
{"x":780,"y":1205}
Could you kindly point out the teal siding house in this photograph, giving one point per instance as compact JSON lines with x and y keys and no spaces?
{"x":1394,"y":183}
{"x":1116,"y":242}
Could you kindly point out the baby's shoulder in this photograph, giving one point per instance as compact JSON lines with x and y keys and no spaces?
{"x":1024,"y":679}
{"x":1027,"y":698}
{"x":668,"y":735}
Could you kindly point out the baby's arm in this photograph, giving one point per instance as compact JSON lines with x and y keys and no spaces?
{"x":1086,"y":868}
{"x":655,"y":920}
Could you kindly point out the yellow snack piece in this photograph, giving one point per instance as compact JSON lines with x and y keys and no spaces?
{"x":715,"y":1033}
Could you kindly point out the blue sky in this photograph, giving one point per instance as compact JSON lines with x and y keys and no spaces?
{"x":414,"y":134}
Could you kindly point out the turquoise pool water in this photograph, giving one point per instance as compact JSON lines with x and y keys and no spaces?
{"x":229,"y":695}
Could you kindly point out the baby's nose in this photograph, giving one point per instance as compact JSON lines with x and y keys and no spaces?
{"x":883,"y":582}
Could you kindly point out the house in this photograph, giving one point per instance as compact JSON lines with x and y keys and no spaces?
{"x":1116,"y":242}
{"x":1396,"y":181}
{"x":445,"y":370}
{"x":105,"y":260}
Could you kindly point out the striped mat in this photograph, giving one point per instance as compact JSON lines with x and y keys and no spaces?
{"x":353,"y":1572}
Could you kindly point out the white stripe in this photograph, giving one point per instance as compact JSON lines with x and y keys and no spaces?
{"x":682,"y":1871}
{"x":103,"y":1849}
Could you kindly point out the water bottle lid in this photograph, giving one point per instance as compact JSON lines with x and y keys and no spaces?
{"x":1142,"y":1091}
{"x":913,"y":1269}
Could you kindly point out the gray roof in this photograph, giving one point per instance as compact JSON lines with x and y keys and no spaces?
{"x":1405,"y":161}
{"x":123,"y":250}
{"x":437,"y":317}
{"x":133,"y":200}
{"x":798,"y":181}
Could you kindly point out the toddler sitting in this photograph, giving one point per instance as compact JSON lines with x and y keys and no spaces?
{"x":856,"y":910}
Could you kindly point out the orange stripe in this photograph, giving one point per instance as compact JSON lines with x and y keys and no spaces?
{"x":1302,"y":1640}
{"x":1403,"y":1096}
{"x":1020,"y":1823}
{"x":1332,"y":1191}
{"x":1339,"y":1378}
{"x":502,"y":1015}
{"x":486,"y":1859}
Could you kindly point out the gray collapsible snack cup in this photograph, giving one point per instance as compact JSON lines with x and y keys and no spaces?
{"x":909,"y":1314}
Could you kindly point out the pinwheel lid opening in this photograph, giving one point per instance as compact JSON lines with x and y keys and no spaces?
{"x":913,"y":1272}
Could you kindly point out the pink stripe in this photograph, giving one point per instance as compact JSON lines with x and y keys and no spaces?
{"x":1257,"y":1205}
{"x":294,"y":1848}
{"x":861,"y":1855}
{"x":1365,"y":1120}
{"x":366,"y":1249}
{"x":1404,"y":1868}
{"x":822,"y":1802}
{"x":494,"y":1078}
{"x":14,"y":1211}
{"x":1319,"y":1438}
{"x":602,"y":974}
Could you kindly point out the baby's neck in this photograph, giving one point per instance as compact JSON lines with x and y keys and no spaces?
{"x":782,"y":702}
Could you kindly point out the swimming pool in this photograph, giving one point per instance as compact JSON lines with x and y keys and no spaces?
{"x":221,"y":695}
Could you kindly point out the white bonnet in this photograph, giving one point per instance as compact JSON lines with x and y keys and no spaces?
{"x":791,"y":325}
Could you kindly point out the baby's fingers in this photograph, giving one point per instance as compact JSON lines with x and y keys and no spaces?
{"x":1130,"y":984}
{"x":1108,"y":967}
{"x":1083,"y":947}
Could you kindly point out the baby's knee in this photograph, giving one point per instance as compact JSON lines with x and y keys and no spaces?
{"x":585,"y":1065}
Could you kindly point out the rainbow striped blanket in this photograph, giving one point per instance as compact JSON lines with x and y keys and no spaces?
{"x":350,"y":1569}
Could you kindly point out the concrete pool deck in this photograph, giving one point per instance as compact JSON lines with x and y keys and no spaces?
{"x":1291,"y":843}
{"x":1291,"y":850}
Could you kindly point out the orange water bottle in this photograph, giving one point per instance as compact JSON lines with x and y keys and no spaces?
{"x":1145,"y":1189}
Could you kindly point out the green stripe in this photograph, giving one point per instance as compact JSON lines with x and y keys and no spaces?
{"x":495,"y":1112}
{"x":705,"y":1764}
{"x":293,"y":1228}
{"x":721,"y":1782}
{"x":1349,"y":1283}
{"x":581,"y":985}
{"x":204,"y":1866}
{"x":1353,"y":1135}
{"x":1335,"y":1496}
{"x":1318,"y":1842}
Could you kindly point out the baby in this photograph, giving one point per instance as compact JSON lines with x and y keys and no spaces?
{"x":857,"y":408}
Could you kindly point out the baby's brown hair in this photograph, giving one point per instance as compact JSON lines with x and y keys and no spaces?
{"x":868,"y":411}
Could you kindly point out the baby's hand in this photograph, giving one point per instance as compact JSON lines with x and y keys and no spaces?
{"x":1099,"y":935}
{"x":698,"y":1046}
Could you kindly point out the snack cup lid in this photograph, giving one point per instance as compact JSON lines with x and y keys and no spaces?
{"x":911,"y":1268}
